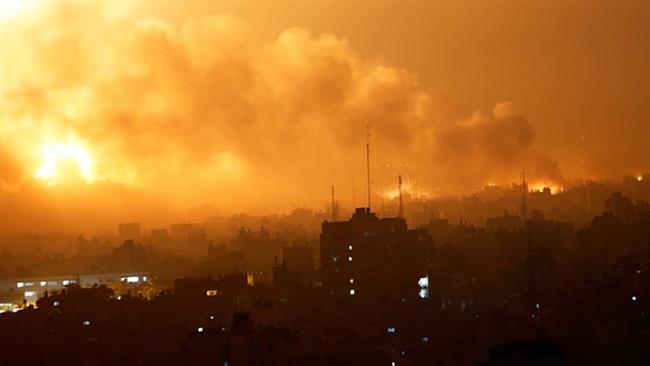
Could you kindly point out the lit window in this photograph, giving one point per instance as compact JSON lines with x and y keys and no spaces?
{"x":391,"y":329}
{"x":211,"y":317}
{"x":423,"y":282}
{"x":144,"y":278}
{"x":352,"y":292}
{"x":633,"y":298}
{"x":425,"y":339}
{"x":29,"y":284}
{"x":56,"y":303}
{"x":537,"y":306}
{"x":20,"y":284}
{"x":86,"y":322}
{"x":199,"y":329}
{"x":349,"y":247}
{"x":212,"y":293}
{"x":350,"y":259}
{"x":29,"y":293}
{"x":43,"y":283}
{"x":132,"y":279}
{"x":66,"y":282}
{"x":351,"y":280}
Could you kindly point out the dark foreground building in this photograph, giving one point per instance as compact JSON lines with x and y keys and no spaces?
{"x":375,"y":258}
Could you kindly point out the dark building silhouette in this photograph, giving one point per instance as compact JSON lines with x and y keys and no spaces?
{"x":129,"y":231}
{"x":533,"y":352}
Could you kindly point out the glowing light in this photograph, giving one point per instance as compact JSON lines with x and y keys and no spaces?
{"x":29,"y":293}
{"x":423,"y":282}
{"x":12,"y":8}
{"x":53,"y":155}
{"x":199,"y":329}
{"x":212,"y":293}
{"x":352,"y":292}
{"x":20,"y":284}
{"x":132,"y":279}
{"x":639,"y":178}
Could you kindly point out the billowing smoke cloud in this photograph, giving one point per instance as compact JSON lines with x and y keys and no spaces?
{"x":491,"y":147}
{"x":215,"y":112}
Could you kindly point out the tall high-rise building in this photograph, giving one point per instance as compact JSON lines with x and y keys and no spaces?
{"x":377,"y":258}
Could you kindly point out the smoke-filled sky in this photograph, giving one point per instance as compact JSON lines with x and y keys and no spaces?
{"x":262,"y":107}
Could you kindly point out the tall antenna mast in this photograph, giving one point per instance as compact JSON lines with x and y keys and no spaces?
{"x":401,"y":202}
{"x":524,"y":193}
{"x":368,"y":161}
{"x":535,"y":307}
{"x":334,"y":213}
{"x":354,"y":191}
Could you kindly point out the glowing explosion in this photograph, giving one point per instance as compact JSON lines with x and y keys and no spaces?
{"x":54,"y":155}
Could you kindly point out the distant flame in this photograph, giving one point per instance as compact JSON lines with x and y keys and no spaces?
{"x":407,"y":188}
{"x":539,"y":187}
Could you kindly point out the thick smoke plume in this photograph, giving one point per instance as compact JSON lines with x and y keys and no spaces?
{"x":215,"y":112}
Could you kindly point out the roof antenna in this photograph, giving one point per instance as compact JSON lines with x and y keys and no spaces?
{"x":368,"y":161}
{"x":401,"y":202}
{"x":334,"y":208}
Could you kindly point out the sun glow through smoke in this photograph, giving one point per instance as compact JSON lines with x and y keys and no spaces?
{"x":12,"y":8}
{"x":53,"y":154}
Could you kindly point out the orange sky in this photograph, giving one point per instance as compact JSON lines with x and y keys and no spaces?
{"x":574,"y":69}
{"x":261,"y":106}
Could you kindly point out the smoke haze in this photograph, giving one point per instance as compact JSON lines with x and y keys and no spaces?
{"x":215,"y":112}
